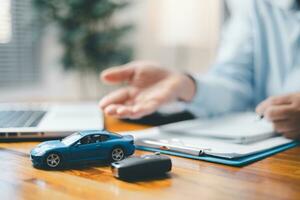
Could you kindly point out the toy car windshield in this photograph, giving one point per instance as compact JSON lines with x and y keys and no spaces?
{"x":71,"y":139}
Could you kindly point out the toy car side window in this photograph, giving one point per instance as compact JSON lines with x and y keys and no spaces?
{"x":96,"y":138}
{"x":86,"y":140}
{"x":104,"y":137}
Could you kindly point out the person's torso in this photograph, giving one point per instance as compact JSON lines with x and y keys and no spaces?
{"x":276,"y":48}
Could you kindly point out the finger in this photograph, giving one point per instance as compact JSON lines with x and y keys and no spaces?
{"x":279,"y":112}
{"x":111,"y":110}
{"x":116,"y":97}
{"x":124,"y":111}
{"x":143,"y":109}
{"x":132,"y":112}
{"x":117,"y":74}
{"x":295,"y":135}
{"x":276,"y":100}
{"x":285,"y":126}
{"x":138,"y":108}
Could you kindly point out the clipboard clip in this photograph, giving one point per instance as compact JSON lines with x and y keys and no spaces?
{"x":198,"y":151}
{"x":175,"y":148}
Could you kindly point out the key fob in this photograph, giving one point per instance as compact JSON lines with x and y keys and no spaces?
{"x":146,"y":166}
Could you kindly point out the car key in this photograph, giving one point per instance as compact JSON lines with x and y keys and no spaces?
{"x":146,"y":166}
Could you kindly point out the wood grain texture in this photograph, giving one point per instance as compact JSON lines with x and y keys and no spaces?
{"x":277,"y":177}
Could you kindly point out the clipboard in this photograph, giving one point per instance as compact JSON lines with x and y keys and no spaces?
{"x":237,"y":162}
{"x":218,"y":151}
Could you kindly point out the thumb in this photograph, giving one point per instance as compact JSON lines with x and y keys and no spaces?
{"x":117,"y":74}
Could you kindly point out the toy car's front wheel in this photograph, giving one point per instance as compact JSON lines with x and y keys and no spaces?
{"x":53,"y":160}
{"x":117,"y":154}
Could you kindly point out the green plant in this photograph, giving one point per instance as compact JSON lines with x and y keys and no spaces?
{"x":91,"y":40}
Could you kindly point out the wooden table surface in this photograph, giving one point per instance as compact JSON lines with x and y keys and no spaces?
{"x":276,"y":177}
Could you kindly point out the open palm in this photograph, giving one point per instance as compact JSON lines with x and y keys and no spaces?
{"x":148,"y":87}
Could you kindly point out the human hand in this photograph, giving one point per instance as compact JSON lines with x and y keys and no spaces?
{"x":148,"y":86}
{"x":284,"y":113}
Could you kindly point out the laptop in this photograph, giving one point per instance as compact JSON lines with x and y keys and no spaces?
{"x":38,"y":121}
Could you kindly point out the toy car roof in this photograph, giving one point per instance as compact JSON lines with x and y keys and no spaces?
{"x":90,"y":132}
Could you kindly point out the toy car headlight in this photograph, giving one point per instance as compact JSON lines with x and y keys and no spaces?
{"x":40,"y":152}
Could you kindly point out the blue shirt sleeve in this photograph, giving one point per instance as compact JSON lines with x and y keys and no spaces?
{"x":228,"y":87}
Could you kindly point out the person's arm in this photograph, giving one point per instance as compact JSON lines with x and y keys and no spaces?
{"x":228,"y":87}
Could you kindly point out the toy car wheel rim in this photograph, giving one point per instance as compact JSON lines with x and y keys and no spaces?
{"x":117,"y":154}
{"x":53,"y":160}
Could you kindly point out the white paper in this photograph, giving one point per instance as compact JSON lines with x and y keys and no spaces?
{"x":240,"y":127}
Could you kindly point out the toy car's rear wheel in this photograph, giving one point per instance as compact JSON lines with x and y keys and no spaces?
{"x":117,"y":154}
{"x":53,"y":160}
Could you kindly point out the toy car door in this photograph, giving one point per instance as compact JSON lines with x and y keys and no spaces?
{"x":103,"y":148}
{"x":85,"y":149}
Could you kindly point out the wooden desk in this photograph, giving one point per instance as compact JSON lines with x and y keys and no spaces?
{"x":277,"y":177}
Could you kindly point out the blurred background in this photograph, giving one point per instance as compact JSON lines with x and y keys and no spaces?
{"x":54,"y":50}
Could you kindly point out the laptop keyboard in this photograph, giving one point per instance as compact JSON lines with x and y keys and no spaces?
{"x":20,"y":118}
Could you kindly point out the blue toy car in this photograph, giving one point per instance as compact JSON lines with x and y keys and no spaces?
{"x":92,"y":145}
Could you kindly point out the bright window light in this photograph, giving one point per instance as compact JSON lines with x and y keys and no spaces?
{"x":5,"y":21}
